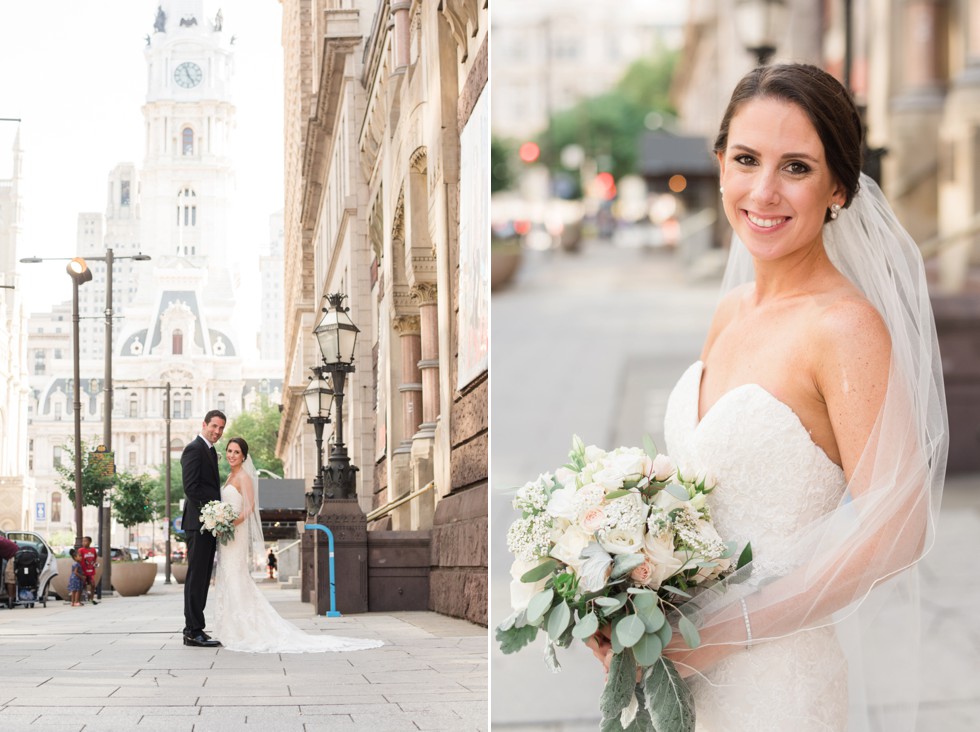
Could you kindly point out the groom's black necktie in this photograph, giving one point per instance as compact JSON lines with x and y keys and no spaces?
{"x":214,"y":459}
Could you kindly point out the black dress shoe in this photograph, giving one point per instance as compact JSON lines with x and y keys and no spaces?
{"x":200,"y":640}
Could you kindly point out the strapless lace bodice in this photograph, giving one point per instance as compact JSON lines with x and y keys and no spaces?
{"x":230,"y":494}
{"x":772,"y":482}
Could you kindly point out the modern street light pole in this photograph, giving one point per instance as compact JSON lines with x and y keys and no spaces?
{"x":109,"y":259}
{"x":80,"y":274}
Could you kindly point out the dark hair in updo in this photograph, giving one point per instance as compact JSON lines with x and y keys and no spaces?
{"x":241,"y":444}
{"x":823,"y":99}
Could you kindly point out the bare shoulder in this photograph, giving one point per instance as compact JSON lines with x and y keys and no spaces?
{"x":725,"y":313}
{"x":850,"y":328}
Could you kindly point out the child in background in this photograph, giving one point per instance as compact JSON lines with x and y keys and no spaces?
{"x":88,"y":557}
{"x":77,"y":580}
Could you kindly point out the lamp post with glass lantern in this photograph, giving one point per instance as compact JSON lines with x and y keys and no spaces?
{"x":759,"y":24}
{"x":337,"y":336}
{"x":318,"y":398}
{"x":80,"y":274}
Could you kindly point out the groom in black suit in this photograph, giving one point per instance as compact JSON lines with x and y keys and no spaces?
{"x":199,"y":465}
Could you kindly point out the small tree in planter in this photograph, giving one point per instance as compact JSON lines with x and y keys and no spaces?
{"x":132,"y":504}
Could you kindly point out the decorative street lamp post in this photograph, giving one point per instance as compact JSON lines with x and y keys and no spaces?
{"x":318,"y":398}
{"x":759,"y":24}
{"x":337,"y":337}
{"x":80,"y":274}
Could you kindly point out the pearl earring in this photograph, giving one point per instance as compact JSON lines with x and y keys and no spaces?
{"x":834,"y":211}
{"x":721,"y":190}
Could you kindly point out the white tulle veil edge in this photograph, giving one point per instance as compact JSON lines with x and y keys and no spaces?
{"x":856,"y":568}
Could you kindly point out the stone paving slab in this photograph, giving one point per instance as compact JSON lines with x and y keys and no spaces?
{"x":122,"y":666}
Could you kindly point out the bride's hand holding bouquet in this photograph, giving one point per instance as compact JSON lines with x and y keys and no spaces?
{"x":606,"y":551}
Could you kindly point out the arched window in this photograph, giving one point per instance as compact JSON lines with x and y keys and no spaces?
{"x":187,"y":141}
{"x":178,"y":343}
{"x":186,"y":208}
{"x":221,"y":401}
{"x":133,"y":406}
{"x":187,"y":404}
{"x":177,"y":413}
{"x":55,"y":508}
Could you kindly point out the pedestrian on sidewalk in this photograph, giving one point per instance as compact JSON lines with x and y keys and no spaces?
{"x":77,"y":580}
{"x":8,"y":549}
{"x":88,"y":557}
{"x":273,"y":564}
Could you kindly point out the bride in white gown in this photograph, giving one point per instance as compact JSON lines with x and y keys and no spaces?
{"x":818,"y":406}
{"x":244,"y":619}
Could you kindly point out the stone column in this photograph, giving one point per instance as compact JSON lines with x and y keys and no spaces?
{"x":959,"y":188}
{"x":410,"y":387}
{"x":915,"y":114}
{"x":423,"y":442}
{"x":399,"y":10}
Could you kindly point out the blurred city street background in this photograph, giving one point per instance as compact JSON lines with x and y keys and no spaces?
{"x":609,"y":243}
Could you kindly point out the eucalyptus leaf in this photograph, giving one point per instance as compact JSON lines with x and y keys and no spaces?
{"x":539,"y":605}
{"x":665,"y":634}
{"x":628,"y":630}
{"x":620,"y":602}
{"x":586,"y":626}
{"x":616,"y":644}
{"x":690,"y":633}
{"x":745,"y":557}
{"x":560,"y":616}
{"x":508,"y":622}
{"x":607,"y":601}
{"x":677,"y":491}
{"x":613,"y":495}
{"x":668,"y":698}
{"x":674,"y":590}
{"x":620,"y":685}
{"x":649,"y":447}
{"x":639,"y":591}
{"x":623,"y":564}
{"x":649,"y":612}
{"x":541,"y":571}
{"x":648,"y":649}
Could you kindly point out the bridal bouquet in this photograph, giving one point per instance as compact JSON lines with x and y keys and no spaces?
{"x":615,"y":541}
{"x":218,"y":517}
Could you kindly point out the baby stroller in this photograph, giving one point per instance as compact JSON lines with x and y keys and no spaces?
{"x":27,"y":569}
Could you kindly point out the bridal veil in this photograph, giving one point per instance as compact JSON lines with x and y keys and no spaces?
{"x":856,"y":567}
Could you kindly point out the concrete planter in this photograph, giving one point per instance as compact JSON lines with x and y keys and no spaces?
{"x":179,"y":573}
{"x":59,"y":583}
{"x":504,"y":263}
{"x":133,"y":578}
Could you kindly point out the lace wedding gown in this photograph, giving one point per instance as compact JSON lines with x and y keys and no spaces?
{"x":772,"y":481}
{"x":244,"y":619}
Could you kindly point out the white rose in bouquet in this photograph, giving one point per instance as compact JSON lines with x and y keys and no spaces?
{"x":659,"y":553}
{"x":663,"y":467}
{"x":609,"y":477}
{"x":594,"y":454}
{"x":522,"y":592}
{"x":667,"y":501}
{"x":630,"y":464}
{"x":568,"y":548}
{"x":563,"y":504}
{"x":621,"y":541}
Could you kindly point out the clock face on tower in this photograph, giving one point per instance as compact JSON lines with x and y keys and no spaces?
{"x":188,"y":75}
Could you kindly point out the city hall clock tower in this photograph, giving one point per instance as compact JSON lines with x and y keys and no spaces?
{"x":187,"y":180}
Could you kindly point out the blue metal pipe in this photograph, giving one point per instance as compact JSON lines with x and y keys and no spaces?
{"x":332,"y":612}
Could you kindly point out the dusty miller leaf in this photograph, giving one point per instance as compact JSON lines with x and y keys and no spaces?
{"x":515,"y":639}
{"x":668,"y":698}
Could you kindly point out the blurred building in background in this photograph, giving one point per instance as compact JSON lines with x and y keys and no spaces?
{"x":175,"y":318}
{"x":550,"y":54}
{"x":386,"y":123}
{"x":914,"y":68}
{"x":15,"y":482}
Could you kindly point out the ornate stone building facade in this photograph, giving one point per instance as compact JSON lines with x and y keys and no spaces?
{"x":387,"y":161}
{"x":15,"y":482}
{"x":177,"y":318}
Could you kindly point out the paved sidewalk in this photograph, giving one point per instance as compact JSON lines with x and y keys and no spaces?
{"x":121,"y":665}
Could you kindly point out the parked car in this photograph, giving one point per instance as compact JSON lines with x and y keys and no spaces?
{"x":48,"y":564}
{"x":123,"y":554}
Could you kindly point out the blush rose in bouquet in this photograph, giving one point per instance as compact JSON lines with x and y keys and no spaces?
{"x":615,"y":542}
